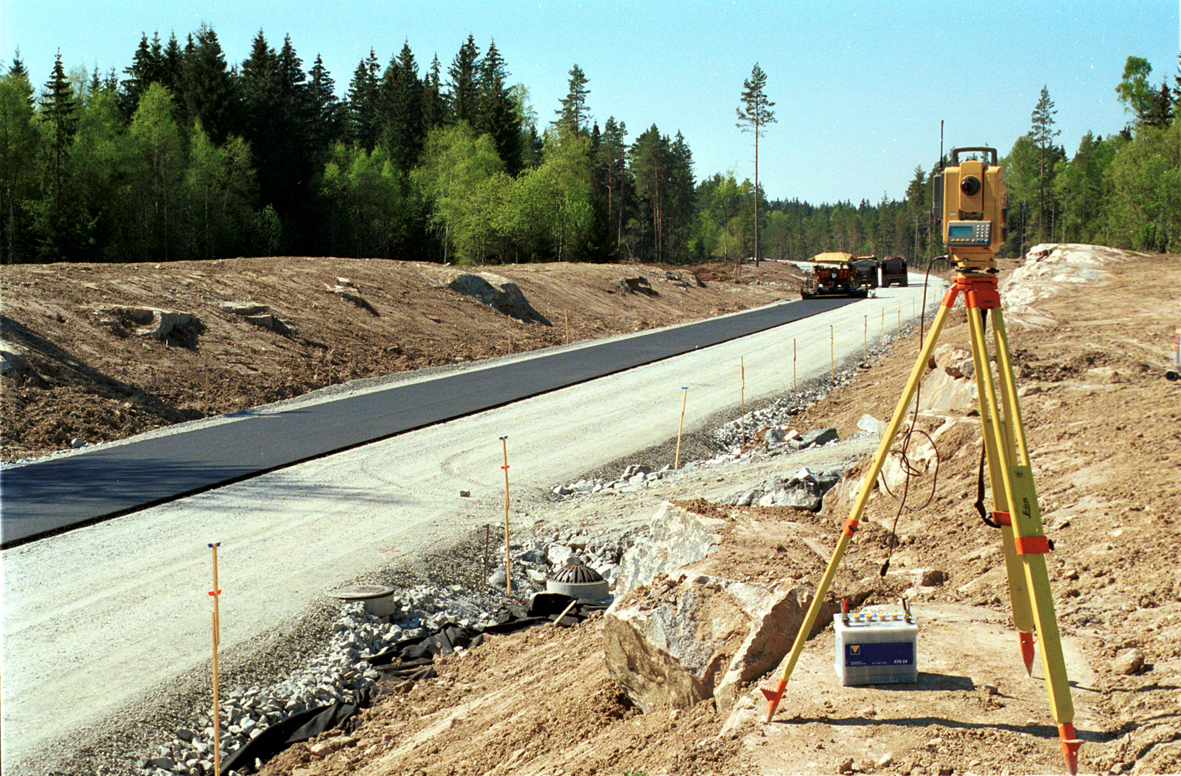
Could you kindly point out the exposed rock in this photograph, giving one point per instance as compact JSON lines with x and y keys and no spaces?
{"x":498,"y":293}
{"x":803,"y":490}
{"x":1128,"y":663}
{"x":677,"y":538}
{"x":330,"y":745}
{"x":670,"y":643}
{"x":11,"y":359}
{"x":271,"y":323}
{"x":243,"y":308}
{"x":636,"y":285}
{"x":155,"y":322}
{"x":951,"y":386}
{"x":816,"y":438}
{"x":353,"y":295}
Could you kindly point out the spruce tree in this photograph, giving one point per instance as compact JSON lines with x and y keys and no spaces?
{"x":59,"y":113}
{"x":464,"y":84}
{"x":498,"y":114}
{"x":209,"y":90}
{"x":327,"y":110}
{"x":753,"y":116}
{"x":434,"y":104}
{"x":401,"y":120}
{"x":363,"y":97}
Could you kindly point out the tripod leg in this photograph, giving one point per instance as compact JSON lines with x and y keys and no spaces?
{"x":1029,"y":539}
{"x":997,"y":441}
{"x":773,"y":696}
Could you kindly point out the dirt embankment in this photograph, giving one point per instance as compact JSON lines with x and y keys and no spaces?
{"x":87,"y":367}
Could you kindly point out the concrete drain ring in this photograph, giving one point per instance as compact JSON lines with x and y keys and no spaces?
{"x":578,"y":581}
{"x":377,"y":599}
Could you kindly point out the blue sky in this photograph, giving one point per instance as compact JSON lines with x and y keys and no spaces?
{"x":859,"y":87}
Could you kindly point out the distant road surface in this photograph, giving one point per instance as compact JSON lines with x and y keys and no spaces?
{"x":100,"y":615}
{"x":53,"y":494}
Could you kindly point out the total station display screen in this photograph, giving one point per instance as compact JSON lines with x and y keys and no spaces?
{"x":959,"y":231}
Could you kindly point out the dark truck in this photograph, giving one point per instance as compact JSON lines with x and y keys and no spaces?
{"x":894,"y":271}
{"x":866,"y":270}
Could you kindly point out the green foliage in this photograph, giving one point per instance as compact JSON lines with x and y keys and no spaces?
{"x":1145,"y":198}
{"x":1134,"y":90}
{"x":191,"y":157}
{"x":461,"y":176}
{"x":371,"y":199}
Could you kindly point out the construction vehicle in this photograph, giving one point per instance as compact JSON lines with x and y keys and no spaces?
{"x":894,"y":271}
{"x":866,"y":268}
{"x":833,"y":277}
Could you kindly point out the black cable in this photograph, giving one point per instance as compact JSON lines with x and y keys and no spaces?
{"x":906,"y":465}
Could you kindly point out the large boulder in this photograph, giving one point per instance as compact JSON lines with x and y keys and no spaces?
{"x":676,"y":538}
{"x":497,"y":292}
{"x":950,"y":387}
{"x":683,"y":640}
{"x":680,"y":631}
{"x":803,"y":490}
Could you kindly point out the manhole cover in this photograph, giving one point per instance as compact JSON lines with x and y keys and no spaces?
{"x":577,"y":574}
{"x":357,"y":592}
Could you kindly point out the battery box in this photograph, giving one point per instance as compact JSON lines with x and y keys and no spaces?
{"x":876,"y":648}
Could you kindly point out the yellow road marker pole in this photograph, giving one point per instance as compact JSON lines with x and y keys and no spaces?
{"x":832,"y":353}
{"x":216,"y":594}
{"x":681,"y":425}
{"x":508,"y":566}
{"x":795,"y":387}
{"x":742,"y":397}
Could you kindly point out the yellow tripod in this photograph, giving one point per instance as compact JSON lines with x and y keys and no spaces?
{"x":1015,"y":505}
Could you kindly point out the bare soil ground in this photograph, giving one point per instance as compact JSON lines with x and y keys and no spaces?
{"x":1104,"y":431}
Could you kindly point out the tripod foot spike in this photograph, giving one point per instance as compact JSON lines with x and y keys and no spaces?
{"x":773,"y":697}
{"x":1027,"y":651}
{"x":1070,"y":745}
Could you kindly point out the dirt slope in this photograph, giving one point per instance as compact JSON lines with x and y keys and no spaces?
{"x":1105,"y":431}
{"x":88,"y":374}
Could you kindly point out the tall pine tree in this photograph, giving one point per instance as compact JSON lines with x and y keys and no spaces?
{"x":753,"y":116}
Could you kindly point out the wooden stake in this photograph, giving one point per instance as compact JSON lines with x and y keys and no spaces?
{"x":883,"y":326}
{"x":487,"y":542}
{"x":795,"y":387}
{"x":742,"y":395}
{"x":216,"y":593}
{"x":900,"y":321}
{"x":832,"y":353}
{"x":508,"y":566}
{"x":681,"y":425}
{"x":865,"y":343}
{"x":565,"y":611}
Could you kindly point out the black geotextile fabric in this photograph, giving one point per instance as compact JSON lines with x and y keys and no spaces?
{"x":413,"y":660}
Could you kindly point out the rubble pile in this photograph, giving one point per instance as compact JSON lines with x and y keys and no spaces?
{"x":341,"y":672}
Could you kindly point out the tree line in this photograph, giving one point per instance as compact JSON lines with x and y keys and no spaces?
{"x":190,"y":157}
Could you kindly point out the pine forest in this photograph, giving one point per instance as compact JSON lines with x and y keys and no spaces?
{"x":187,"y":156}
